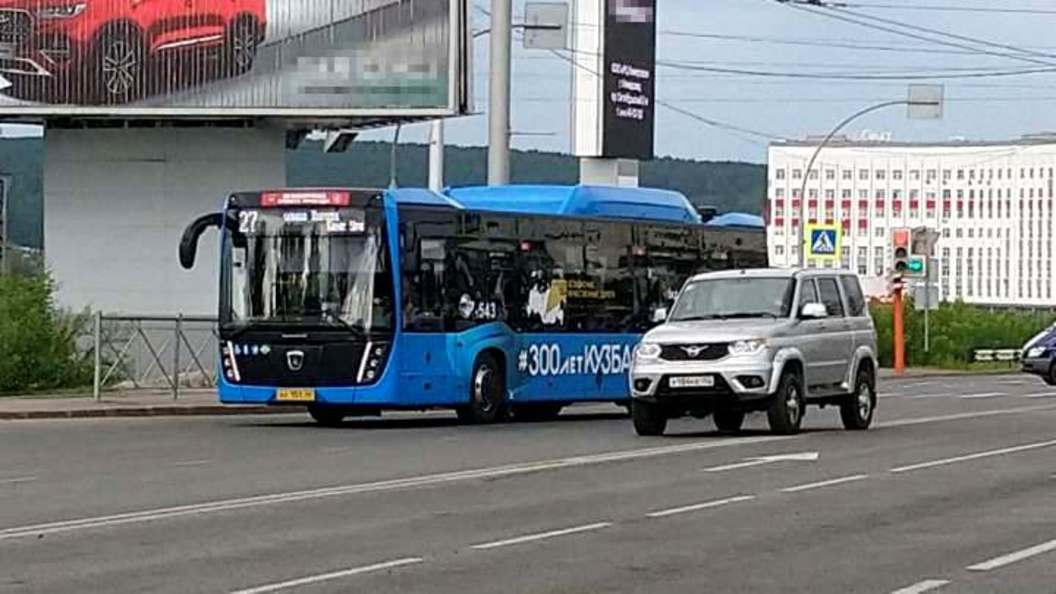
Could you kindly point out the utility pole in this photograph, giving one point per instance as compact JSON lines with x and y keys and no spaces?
{"x":499,"y":93}
{"x":436,"y":156}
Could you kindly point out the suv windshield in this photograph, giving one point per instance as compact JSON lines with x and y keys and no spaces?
{"x":318,"y":268}
{"x":724,"y":298}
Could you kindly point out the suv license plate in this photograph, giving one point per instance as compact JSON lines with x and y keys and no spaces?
{"x":695,"y":381}
{"x":291,"y":395}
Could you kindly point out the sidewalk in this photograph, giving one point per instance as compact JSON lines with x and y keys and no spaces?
{"x":139,"y":403}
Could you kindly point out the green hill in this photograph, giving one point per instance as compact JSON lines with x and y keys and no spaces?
{"x":724,"y":185}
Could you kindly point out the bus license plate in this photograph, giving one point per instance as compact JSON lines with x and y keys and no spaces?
{"x":695,"y":381}
{"x":292,"y":395}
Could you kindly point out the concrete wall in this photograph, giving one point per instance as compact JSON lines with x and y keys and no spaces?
{"x":116,"y":202}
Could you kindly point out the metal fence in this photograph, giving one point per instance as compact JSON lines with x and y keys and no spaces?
{"x":167,"y":352}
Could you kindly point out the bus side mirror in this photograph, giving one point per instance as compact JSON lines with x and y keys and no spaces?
{"x":191,"y":235}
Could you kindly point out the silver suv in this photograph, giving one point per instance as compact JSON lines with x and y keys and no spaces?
{"x":758,"y":340}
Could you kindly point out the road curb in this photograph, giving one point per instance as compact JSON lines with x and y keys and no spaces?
{"x":140,"y":411}
{"x":888,"y":375}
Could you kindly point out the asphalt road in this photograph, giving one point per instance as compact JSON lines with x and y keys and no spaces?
{"x":953,"y":491}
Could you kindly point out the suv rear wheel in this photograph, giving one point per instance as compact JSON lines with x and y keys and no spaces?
{"x":649,"y":418}
{"x":786,"y":411}
{"x":857,"y":410}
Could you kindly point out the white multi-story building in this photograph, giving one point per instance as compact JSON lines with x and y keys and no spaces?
{"x":992,"y":203}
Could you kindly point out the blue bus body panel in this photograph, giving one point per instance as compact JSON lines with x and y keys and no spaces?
{"x":580,"y":201}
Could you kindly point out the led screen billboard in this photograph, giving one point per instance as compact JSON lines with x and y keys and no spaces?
{"x":222,"y":58}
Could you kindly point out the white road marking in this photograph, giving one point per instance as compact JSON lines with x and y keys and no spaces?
{"x":803,"y":457}
{"x":829,"y":483}
{"x":939,"y":395}
{"x":1040,"y":395}
{"x":191,"y":463}
{"x":976,"y":456}
{"x":540,"y":536}
{"x":967,"y":415}
{"x":373,"y":487}
{"x":18,"y":480}
{"x":699,"y":506}
{"x":982,"y":395}
{"x":1016,"y":557}
{"x":921,"y":587}
{"x":315,"y":579}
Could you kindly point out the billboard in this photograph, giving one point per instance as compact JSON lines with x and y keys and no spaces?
{"x":243,"y":58}
{"x":615,"y":79}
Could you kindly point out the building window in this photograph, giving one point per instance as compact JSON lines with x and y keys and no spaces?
{"x":932,"y":174}
{"x":779,"y":250}
{"x":863,"y":268}
{"x":914,"y":194}
{"x":813,"y":193}
{"x":779,"y":174}
{"x":878,"y":232}
{"x":797,"y":174}
{"x":863,"y":174}
{"x":960,"y":174}
{"x":830,"y":194}
{"x":830,"y":174}
{"x":846,"y":194}
{"x":881,"y":174}
{"x":847,"y":174}
{"x":896,"y":174}
{"x":863,"y":194}
{"x":779,"y":193}
{"x":914,"y":175}
{"x":813,"y":174}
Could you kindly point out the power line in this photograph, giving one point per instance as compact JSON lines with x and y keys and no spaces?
{"x":935,"y":8}
{"x":839,"y":17}
{"x":950,"y":35}
{"x":840,"y":76}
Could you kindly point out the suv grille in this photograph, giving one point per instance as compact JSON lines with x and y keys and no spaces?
{"x":15,"y":26}
{"x":694,"y":352}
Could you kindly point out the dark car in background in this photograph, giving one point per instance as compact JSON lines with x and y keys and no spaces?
{"x":1039,"y":355}
{"x":108,"y":52}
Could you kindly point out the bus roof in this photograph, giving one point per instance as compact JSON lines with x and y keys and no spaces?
{"x":583,"y":201}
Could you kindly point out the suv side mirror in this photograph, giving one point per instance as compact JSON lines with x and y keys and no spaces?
{"x":660,"y":315}
{"x":814,"y":311}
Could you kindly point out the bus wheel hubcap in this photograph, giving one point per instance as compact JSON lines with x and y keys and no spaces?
{"x":483,"y":389}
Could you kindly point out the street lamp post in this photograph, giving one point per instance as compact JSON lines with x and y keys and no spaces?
{"x":805,"y":241}
{"x":925,"y":102}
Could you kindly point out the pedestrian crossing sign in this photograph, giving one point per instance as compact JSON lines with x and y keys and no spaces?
{"x":823,"y":241}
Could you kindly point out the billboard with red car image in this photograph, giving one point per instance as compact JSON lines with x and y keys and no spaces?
{"x":298,"y":58}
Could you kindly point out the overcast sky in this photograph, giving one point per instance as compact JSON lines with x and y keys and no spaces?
{"x":978,"y":108}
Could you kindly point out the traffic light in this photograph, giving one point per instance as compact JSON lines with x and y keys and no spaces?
{"x":900,"y":240}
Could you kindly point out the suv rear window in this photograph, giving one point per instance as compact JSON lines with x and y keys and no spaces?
{"x":830,"y":296}
{"x":855,"y":299}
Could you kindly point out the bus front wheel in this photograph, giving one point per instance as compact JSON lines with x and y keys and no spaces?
{"x":487,"y":393}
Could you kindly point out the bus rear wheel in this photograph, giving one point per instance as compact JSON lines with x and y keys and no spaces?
{"x":487,"y":393}
{"x":327,"y":416}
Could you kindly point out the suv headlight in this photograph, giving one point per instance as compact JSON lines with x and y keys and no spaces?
{"x":1036,"y":352}
{"x":61,"y":11}
{"x":747,"y":347}
{"x":647,"y":350}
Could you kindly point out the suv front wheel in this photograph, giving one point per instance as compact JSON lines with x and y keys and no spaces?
{"x":786,"y":411}
{"x":649,"y":418}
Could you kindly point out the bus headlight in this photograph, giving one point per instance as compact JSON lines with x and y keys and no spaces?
{"x":647,"y":350}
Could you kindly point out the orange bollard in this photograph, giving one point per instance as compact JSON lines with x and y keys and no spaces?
{"x":899,"y":337}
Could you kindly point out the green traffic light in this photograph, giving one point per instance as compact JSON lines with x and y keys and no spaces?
{"x":916,"y":266}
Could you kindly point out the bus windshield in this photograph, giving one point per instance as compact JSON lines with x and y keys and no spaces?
{"x":319,"y":268}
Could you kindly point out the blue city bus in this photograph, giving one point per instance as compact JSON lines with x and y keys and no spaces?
{"x":494,"y":301}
